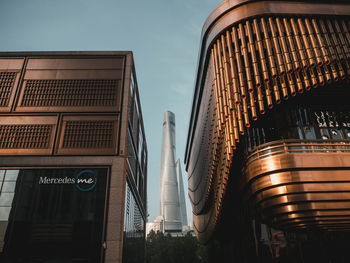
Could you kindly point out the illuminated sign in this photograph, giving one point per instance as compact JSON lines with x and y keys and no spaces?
{"x":326,"y":119}
{"x":85,"y":180}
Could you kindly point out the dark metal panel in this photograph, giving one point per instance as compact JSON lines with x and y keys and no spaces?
{"x":88,"y":135}
{"x":77,"y":95}
{"x":75,"y":63}
{"x":27,"y":135}
{"x":71,"y":85}
{"x":9,"y":76}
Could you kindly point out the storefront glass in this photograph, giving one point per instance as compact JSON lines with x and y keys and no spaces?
{"x":52,"y":215}
{"x":134,"y":234}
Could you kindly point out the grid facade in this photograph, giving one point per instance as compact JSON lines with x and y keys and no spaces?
{"x":69,"y":111}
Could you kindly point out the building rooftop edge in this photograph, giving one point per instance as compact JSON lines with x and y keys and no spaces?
{"x":65,"y":53}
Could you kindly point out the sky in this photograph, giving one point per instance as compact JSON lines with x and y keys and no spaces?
{"x":163,"y":35}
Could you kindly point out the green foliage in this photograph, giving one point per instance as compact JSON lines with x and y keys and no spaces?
{"x":214,"y":252}
{"x":161,"y":248}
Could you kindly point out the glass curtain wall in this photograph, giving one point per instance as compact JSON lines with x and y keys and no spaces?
{"x":52,"y":215}
{"x":301,"y":122}
{"x":134,"y":234}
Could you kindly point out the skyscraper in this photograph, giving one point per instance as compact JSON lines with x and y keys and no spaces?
{"x":169,"y":185}
{"x":181,"y":194}
{"x":173,"y":215}
{"x":269,"y":135}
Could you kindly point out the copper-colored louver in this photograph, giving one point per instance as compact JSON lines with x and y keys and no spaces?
{"x":259,"y":63}
{"x":36,"y":136}
{"x":88,"y":134}
{"x":273,"y":57}
{"x":7,"y":81}
{"x":41,"y":93}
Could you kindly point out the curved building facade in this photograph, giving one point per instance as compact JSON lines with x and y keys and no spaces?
{"x":269,"y":135}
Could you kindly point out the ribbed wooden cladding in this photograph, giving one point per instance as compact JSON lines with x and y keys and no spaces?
{"x":88,"y":134}
{"x":39,"y":93}
{"x":257,"y":64}
{"x":7,"y":81}
{"x":261,"y":62}
{"x":35,"y":136}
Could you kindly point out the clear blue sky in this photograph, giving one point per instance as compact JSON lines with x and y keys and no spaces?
{"x":164,"y":36}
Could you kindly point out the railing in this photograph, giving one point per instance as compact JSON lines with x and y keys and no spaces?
{"x":297,"y":146}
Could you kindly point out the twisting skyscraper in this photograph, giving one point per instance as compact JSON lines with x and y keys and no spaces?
{"x":173,"y":215}
{"x":169,"y":193}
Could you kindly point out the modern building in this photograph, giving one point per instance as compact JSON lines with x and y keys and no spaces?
{"x":181,"y":194}
{"x":268,"y":149}
{"x":173,"y":215}
{"x":73,"y":158}
{"x":172,"y":199}
{"x":169,"y":185}
{"x":156,"y":225}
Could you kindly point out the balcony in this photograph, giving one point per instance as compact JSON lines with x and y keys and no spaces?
{"x":300,"y":184}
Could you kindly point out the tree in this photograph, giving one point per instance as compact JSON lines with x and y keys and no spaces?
{"x":162,"y":248}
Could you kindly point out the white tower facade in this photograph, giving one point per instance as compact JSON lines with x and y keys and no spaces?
{"x":181,"y":194}
{"x":169,"y":186}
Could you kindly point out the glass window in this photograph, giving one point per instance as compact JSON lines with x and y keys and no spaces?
{"x":309,"y":132}
{"x":134,"y":230}
{"x":302,"y":122}
{"x":5,"y":213}
{"x":132,"y":157}
{"x":49,"y":215}
{"x":6,"y":199}
{"x":8,"y":187}
{"x":347,"y":133}
{"x":140,"y":148}
{"x":336,"y":134}
{"x":135,"y":126}
{"x":11,"y":175}
{"x":140,"y":184}
{"x":131,"y":99}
